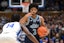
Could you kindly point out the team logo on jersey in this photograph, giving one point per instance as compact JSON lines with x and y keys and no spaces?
{"x":34,"y":26}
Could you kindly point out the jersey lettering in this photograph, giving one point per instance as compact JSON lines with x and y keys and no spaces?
{"x":10,"y":25}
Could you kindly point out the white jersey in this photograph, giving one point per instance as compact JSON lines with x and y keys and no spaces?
{"x":12,"y":28}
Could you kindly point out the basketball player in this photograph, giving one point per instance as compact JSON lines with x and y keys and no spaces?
{"x":12,"y":30}
{"x":32,"y":21}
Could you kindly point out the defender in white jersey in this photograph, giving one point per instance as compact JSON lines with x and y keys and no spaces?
{"x":12,"y":30}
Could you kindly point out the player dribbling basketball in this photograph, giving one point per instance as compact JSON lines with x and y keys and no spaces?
{"x":32,"y":21}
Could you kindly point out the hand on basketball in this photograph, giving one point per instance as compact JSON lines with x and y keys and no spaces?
{"x":42,"y":31}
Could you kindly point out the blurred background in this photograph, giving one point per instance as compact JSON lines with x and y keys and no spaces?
{"x":51,"y":10}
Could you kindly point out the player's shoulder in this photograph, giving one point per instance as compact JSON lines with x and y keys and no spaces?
{"x":6,"y":23}
{"x":41,"y":17}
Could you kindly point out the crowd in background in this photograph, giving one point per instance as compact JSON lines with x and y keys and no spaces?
{"x":53,"y":5}
{"x":56,"y":26}
{"x":54,"y":23}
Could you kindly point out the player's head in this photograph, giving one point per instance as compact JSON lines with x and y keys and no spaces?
{"x":33,"y":8}
{"x":15,"y":17}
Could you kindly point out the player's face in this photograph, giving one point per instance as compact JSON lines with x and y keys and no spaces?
{"x":33,"y":10}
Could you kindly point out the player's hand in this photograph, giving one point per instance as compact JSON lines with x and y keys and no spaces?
{"x":29,"y":14}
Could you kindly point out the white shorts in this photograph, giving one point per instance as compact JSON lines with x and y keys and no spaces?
{"x":7,"y":38}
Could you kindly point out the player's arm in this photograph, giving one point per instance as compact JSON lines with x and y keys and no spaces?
{"x":42,"y":21}
{"x":24,"y":19}
{"x":43,"y":24}
{"x":29,"y":35}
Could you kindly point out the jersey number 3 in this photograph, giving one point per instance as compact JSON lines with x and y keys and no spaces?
{"x":34,"y":32}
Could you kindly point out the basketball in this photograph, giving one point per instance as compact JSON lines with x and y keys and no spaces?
{"x":42,"y":31}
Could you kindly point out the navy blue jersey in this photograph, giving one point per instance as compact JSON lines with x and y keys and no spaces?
{"x":33,"y":25}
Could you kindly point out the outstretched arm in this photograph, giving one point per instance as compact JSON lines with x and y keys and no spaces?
{"x":30,"y":36}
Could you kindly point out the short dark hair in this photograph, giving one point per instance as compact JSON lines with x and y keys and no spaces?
{"x":15,"y":17}
{"x":33,"y":5}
